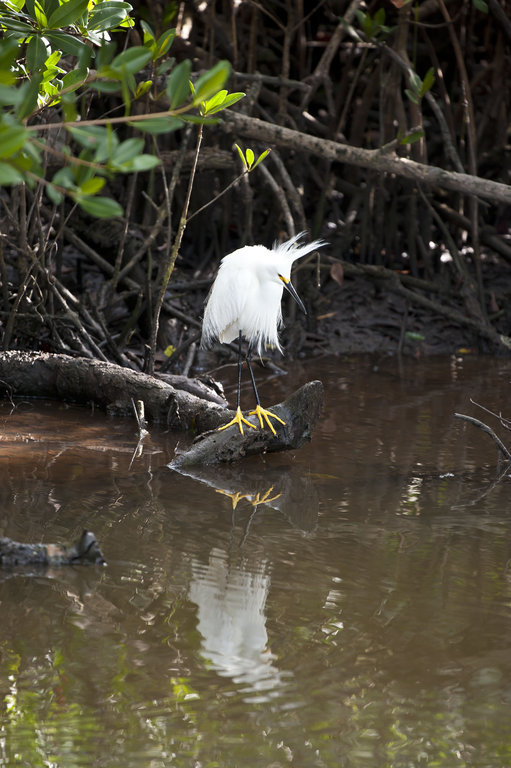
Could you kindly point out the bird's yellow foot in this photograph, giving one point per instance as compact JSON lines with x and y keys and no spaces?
{"x":239,"y":419}
{"x":262,"y":413}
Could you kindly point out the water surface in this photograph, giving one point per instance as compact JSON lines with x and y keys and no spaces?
{"x":348,"y":604}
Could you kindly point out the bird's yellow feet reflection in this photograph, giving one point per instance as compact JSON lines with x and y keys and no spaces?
{"x":262,"y":413}
{"x":265,"y":498}
{"x":254,"y":500}
{"x":239,"y":419}
{"x":234,"y":497}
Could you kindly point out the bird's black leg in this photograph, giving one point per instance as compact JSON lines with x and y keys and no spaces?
{"x":240,"y":366}
{"x":249,"y":365}
{"x":259,"y":411}
{"x":239,"y":418}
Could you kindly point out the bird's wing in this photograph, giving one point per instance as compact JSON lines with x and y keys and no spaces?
{"x":225,"y":304}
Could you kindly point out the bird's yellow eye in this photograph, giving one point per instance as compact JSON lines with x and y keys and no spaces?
{"x":285,"y":280}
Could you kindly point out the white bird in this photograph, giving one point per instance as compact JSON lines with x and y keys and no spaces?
{"x":245,"y":300}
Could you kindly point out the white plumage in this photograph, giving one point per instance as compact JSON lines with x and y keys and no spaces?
{"x":247,"y":292}
{"x":245,"y":301}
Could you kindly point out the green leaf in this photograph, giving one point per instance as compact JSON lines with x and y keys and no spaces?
{"x":37,"y":52}
{"x":106,"y":86}
{"x":64,"y":178}
{"x":177,"y":84}
{"x":379,"y":17}
{"x":53,"y":59}
{"x":240,"y":152}
{"x":53,"y":193}
{"x":69,"y":110}
{"x":9,"y":49}
{"x":140,"y":163}
{"x":261,"y":158}
{"x":228,"y":101}
{"x":89,"y":136}
{"x":428,"y":82}
{"x":9,"y":95}
{"x":158,"y":124}
{"x":92,"y":186}
{"x":149,"y":38}
{"x":412,"y":96}
{"x":28,"y":102}
{"x":165,"y":66}
{"x":16,"y":25}
{"x":36,"y":11}
{"x":100,"y":207}
{"x":127,"y":150}
{"x":211,"y":82}
{"x":143,"y":88}
{"x":415,"y":81}
{"x":75,"y":78}
{"x":68,"y":44}
{"x":132,"y":60}
{"x":163,"y":44}
{"x":250,"y":157}
{"x":108,"y":15}
{"x":412,"y":138}
{"x":68,"y":13}
{"x":199,"y":120}
{"x":215,"y":100}
{"x":480,"y":5}
{"x":9,"y":175}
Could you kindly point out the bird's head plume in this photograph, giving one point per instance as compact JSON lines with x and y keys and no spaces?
{"x":293,"y":249}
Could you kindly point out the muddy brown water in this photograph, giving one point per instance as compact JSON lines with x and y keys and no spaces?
{"x":345,"y":605}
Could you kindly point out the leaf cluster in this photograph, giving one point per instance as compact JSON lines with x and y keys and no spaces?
{"x":56,"y":58}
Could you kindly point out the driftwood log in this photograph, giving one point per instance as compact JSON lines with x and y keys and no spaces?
{"x":300,"y":411}
{"x":84,"y":551}
{"x":177,"y":401}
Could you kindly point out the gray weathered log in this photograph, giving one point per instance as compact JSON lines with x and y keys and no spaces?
{"x":300,"y":411}
{"x":84,"y":551}
{"x":375,"y":159}
{"x":107,"y":386}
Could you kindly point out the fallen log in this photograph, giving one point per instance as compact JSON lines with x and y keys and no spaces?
{"x":116,"y":389}
{"x":300,"y":411}
{"x":112,"y":388}
{"x":84,"y":551}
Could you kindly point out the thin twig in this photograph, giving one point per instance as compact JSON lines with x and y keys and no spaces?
{"x":489,"y":431}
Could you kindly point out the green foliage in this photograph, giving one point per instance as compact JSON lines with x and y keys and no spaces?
{"x":248,"y":157}
{"x":419,"y":88}
{"x":373,"y":27}
{"x":52,"y":53}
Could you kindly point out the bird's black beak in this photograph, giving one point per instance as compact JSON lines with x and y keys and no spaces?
{"x":288,"y":285}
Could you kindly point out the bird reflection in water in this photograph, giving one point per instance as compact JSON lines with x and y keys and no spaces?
{"x":231,"y":591}
{"x":231,"y":602}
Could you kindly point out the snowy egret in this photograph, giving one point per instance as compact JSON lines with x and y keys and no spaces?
{"x":245,"y":300}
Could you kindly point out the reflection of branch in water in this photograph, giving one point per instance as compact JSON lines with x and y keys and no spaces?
{"x":281,"y":488}
{"x":486,"y":491}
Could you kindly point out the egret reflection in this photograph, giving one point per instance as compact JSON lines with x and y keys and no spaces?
{"x":231,"y":602}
